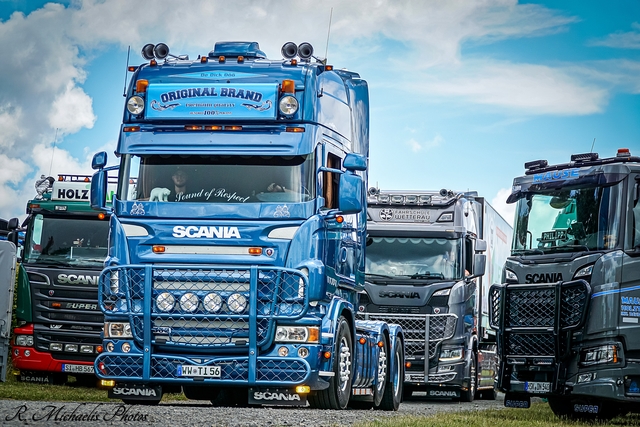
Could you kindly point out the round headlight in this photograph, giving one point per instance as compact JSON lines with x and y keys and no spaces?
{"x":135,"y":105}
{"x":165,"y":301}
{"x":212,"y":302}
{"x":288,"y":105}
{"x":189,"y":302}
{"x":237,"y":303}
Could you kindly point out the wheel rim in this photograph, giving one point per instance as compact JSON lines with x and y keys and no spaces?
{"x":382,"y":368}
{"x":345,"y":363}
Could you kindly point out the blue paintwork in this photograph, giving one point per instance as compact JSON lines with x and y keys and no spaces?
{"x":334,"y":115}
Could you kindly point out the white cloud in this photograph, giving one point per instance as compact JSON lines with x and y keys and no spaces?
{"x":72,"y":110}
{"x":416,"y":146}
{"x":620,"y":39}
{"x":499,"y":203}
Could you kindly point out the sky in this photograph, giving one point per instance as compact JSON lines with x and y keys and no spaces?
{"x":462,"y":92}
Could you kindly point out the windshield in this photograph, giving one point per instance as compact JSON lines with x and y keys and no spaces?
{"x":218,"y":179}
{"x":418,"y":258}
{"x":568,"y":220}
{"x":66,"y":241}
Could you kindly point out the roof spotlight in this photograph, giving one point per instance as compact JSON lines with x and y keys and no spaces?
{"x":305,"y":50}
{"x":289,"y":50}
{"x":161,"y":51}
{"x":147,"y":51}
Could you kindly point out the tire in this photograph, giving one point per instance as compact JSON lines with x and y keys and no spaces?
{"x":336,"y":396}
{"x":381,"y":381}
{"x":394,"y":389}
{"x":230,"y":397}
{"x":469,"y":394}
{"x":194,"y":392}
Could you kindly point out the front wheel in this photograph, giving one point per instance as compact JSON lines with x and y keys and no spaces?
{"x":336,"y":396}
{"x":468,"y":394}
{"x":393,"y":391}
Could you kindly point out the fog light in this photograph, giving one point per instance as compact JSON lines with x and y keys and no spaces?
{"x":303,"y":389}
{"x":72,"y":348}
{"x":110,"y":347}
{"x":237,"y":303}
{"x":583,"y":378}
{"x":55,"y":346}
{"x":107,"y":383}
{"x":283,"y":351}
{"x":27,"y":353}
{"x":303,"y":352}
{"x":189,"y":302}
{"x":126,"y":347}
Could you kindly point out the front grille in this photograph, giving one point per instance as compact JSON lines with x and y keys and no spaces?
{"x":530,"y":307}
{"x":206,"y":309}
{"x":280,"y":371}
{"x":441,"y":327}
{"x":533,"y":344}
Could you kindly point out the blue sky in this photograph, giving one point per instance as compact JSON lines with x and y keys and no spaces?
{"x":462,"y":92}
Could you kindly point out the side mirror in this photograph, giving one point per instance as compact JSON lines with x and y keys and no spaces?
{"x":99,"y":160}
{"x":351,"y":193}
{"x":481,"y":245}
{"x":13,"y":224}
{"x":355,"y":162}
{"x":479,"y":265}
{"x":99,"y":189}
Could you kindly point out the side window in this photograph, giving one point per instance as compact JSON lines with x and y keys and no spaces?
{"x":636,"y":213}
{"x":331,"y":182}
{"x":468,"y":259}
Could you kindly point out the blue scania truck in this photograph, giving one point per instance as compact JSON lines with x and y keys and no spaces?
{"x":236,"y":249}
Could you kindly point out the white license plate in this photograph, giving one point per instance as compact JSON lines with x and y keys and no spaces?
{"x":78,"y":369}
{"x":537,"y":387}
{"x":199,"y":371}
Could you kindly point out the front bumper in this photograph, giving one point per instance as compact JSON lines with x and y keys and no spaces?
{"x":29,"y":359}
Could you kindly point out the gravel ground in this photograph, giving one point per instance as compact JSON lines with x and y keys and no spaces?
{"x":183,"y":413}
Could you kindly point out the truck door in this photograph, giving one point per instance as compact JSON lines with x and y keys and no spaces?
{"x":7,"y":285}
{"x":630,"y":277}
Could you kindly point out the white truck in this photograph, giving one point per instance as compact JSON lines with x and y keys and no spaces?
{"x":431,"y":258}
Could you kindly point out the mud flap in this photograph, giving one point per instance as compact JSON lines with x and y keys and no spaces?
{"x":517,"y":400}
{"x":7,"y":286}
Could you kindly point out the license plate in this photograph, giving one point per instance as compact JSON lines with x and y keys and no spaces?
{"x":78,"y":369}
{"x":199,"y":371}
{"x":537,"y":387}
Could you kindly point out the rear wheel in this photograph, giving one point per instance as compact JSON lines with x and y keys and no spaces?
{"x":381,"y":380}
{"x":393,"y":391}
{"x":468,"y":394}
{"x":336,"y":396}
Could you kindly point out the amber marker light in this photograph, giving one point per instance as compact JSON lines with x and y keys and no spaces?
{"x":132,"y":68}
{"x":362,"y":340}
{"x":327,"y":355}
{"x":233,"y":128}
{"x":204,"y":59}
{"x":328,"y":67}
{"x":221,"y":58}
{"x":380,"y":344}
{"x":153,"y":62}
{"x":288,"y":86}
{"x":193,"y":127}
{"x":60,"y":178}
{"x":339,"y":219}
{"x":141,"y":85}
{"x":101,"y":215}
{"x":213,"y":127}
{"x":131,"y":129}
{"x":56,"y":305}
{"x":407,"y":364}
{"x":99,"y":349}
{"x":255,"y":251}
{"x":294,"y":62}
{"x":294,"y":129}
{"x":158,"y":249}
{"x":240,"y":59}
{"x":86,"y":179}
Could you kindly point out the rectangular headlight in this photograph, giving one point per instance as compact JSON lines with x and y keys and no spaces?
{"x":308,"y":334}
{"x":24,"y":340}
{"x":117,"y":330}
{"x":598,"y":355}
{"x":451,"y":354}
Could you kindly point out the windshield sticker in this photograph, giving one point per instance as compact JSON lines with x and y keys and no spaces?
{"x":557,"y":175}
{"x":137,"y":209}
{"x":218,"y":75}
{"x":207,"y":101}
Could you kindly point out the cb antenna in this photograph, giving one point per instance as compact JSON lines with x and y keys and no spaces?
{"x":124,"y":91}
{"x":592,"y":144}
{"x":326,"y":52}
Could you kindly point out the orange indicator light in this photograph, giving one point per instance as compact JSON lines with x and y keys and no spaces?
{"x":328,"y":67}
{"x":362,"y":340}
{"x":339,"y":219}
{"x":233,"y":128}
{"x":99,"y":349}
{"x":132,"y":68}
{"x":327,"y":355}
{"x":131,"y":128}
{"x":288,"y":86}
{"x":380,"y":344}
{"x":141,"y":85}
{"x":221,"y":58}
{"x":193,"y":127}
{"x":158,"y":249}
{"x":213,"y":127}
{"x":294,"y":129}
{"x":255,"y":251}
{"x":56,"y":305}
{"x":407,"y":364}
{"x":240,"y":59}
{"x":101,"y":215}
{"x":204,"y":60}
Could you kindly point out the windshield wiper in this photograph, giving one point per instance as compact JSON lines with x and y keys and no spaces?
{"x":585,"y":248}
{"x":528,"y":252}
{"x":426,"y":275}
{"x":382,"y":276}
